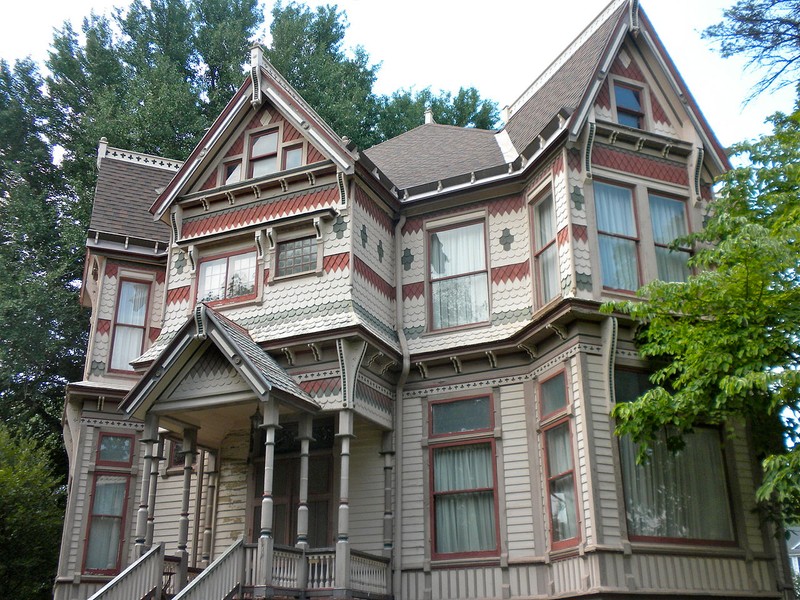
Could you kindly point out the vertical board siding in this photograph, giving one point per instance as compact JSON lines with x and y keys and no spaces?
{"x":411,"y":494}
{"x":472,"y":583}
{"x":366,"y":489}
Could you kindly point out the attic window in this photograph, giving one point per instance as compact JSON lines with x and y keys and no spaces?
{"x":264,"y":154}
{"x":292,"y":157}
{"x":628,"y":101}
{"x":232,"y":172}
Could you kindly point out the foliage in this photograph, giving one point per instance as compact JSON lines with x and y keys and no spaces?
{"x":30,"y":518}
{"x":728,"y":340}
{"x":767,"y":33}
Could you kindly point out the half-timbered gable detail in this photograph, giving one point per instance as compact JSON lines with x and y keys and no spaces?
{"x":320,"y":371}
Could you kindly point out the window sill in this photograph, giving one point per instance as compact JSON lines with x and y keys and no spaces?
{"x":248,"y":300}
{"x":457,"y":328}
{"x":281,"y":278}
{"x":449,"y":563}
{"x":697,"y":548}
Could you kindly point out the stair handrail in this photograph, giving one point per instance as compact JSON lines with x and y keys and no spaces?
{"x":138,"y":580}
{"x":214,"y":583}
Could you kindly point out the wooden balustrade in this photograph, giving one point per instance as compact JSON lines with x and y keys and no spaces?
{"x":321,"y":569}
{"x":223,"y":576}
{"x":369,"y":573}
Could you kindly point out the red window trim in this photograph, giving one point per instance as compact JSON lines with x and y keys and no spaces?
{"x":145,"y":328}
{"x":636,"y":240}
{"x":232,"y":299}
{"x":471,"y":432}
{"x":289,"y":147}
{"x":122,"y":525}
{"x":430,"y":280}
{"x":550,"y":478}
{"x":544,"y":417}
{"x":252,"y":158}
{"x":112,"y":463}
{"x":224,"y":168}
{"x":537,"y":252}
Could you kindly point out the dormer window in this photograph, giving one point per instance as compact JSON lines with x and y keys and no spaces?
{"x":227,"y":277}
{"x":628,"y":100}
{"x":264,"y":154}
{"x":233,"y":172}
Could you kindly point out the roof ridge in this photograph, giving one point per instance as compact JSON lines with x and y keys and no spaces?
{"x":140,"y":158}
{"x":562,"y":58}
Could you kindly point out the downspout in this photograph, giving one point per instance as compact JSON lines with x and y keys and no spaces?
{"x":398,"y":418}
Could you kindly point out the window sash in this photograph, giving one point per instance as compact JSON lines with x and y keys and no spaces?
{"x":668,"y":218}
{"x":460,"y":416}
{"x":115,"y":449}
{"x":546,"y":255}
{"x":296,"y":256}
{"x":553,"y":394}
{"x":128,"y":346}
{"x":460,"y":301}
{"x":629,"y":105}
{"x":106,"y":525}
{"x":617,"y":236}
{"x":293,"y":158}
{"x":227,"y":277}
{"x":561,"y":483}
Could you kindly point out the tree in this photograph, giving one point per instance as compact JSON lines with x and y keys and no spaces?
{"x":767,"y":33}
{"x":30,"y":518}
{"x":727,"y":342}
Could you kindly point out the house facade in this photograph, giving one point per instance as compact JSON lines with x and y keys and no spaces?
{"x":317,"y":371}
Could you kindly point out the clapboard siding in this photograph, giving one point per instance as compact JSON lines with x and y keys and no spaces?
{"x":366,"y":491}
{"x":411,"y":493}
{"x":231,"y":511}
{"x":467,"y":583}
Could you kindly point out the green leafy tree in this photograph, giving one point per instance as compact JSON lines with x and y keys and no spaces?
{"x":767,"y":33}
{"x":727,"y":342}
{"x":30,"y":518}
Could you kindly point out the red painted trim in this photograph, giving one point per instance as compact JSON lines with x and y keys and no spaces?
{"x":112,"y":463}
{"x":378,"y":282}
{"x":644,"y":166}
{"x":370,"y":207}
{"x":179,"y":294}
{"x":516,"y":272}
{"x":122,"y":526}
{"x":112,"y":269}
{"x":322,"y":387}
{"x":413,"y":290}
{"x":154,"y":333}
{"x":504,"y":206}
{"x":580,"y":233}
{"x":103,"y":326}
{"x":335,"y":262}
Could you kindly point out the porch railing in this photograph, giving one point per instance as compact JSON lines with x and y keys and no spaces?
{"x":220,"y":579}
{"x":369,"y":573}
{"x":287,"y":565}
{"x":172,"y":566}
{"x":142,"y":579}
{"x":321,"y":565}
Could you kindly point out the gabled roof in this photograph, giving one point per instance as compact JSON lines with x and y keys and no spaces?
{"x":207,"y":327}
{"x":127,"y":185}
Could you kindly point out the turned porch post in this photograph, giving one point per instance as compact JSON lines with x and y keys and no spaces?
{"x":211,"y":494}
{"x":149,"y":438}
{"x":304,"y":435}
{"x":187,"y":449}
{"x":387,"y":450}
{"x":266,"y":542}
{"x":151,"y":509}
{"x":345,"y":434}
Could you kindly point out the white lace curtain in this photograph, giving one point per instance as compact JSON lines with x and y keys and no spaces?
{"x":104,"y":534}
{"x":669,"y":222}
{"x":615,"y":217}
{"x":562,"y":485}
{"x":548,"y":259}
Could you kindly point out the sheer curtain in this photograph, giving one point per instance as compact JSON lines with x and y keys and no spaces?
{"x":547,"y":258}
{"x":104,"y":535}
{"x":618,"y":255}
{"x":669,"y":222}
{"x":459,"y":284}
{"x":464,"y":519}
{"x":681,"y":495}
{"x":129,"y":327}
{"x":562,"y":485}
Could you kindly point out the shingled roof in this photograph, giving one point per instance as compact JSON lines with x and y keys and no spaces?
{"x":126,"y":188}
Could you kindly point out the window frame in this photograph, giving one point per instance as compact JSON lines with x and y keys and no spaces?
{"x":252,"y":159}
{"x":111,"y":463}
{"x":686,"y":221}
{"x":227,"y":256}
{"x":226,"y":164}
{"x":641,"y":91}
{"x":637,"y":239}
{"x":145,"y":328}
{"x":289,"y":147}
{"x":448,"y":225}
{"x":291,"y":232}
{"x":726,"y":479}
{"x":549,"y":421}
{"x":538,"y":251}
{"x":473,"y":437}
{"x":123,"y":519}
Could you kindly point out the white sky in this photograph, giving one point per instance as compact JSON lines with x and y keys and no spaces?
{"x":498,"y":49}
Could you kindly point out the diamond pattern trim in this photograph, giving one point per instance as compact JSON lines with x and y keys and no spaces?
{"x":643,"y":166}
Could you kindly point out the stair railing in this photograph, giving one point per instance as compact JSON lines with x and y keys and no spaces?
{"x":142,"y":579}
{"x":220,"y":578}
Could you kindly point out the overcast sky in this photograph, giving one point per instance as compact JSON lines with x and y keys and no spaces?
{"x":497,"y":47}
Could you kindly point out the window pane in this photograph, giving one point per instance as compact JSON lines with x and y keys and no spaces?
{"x":554,"y":394}
{"x":673,"y":265}
{"x":614,"y":206}
{"x":115,"y":448}
{"x":132,"y":308}
{"x":265,"y":166}
{"x":668,"y":217}
{"x":545,"y":222}
{"x":460,"y":301}
{"x":463,"y":415}
{"x":559,"y":453}
{"x":104,"y":535}
{"x":293,"y":157}
{"x":212,"y":280}
{"x":297,"y":256}
{"x":233,"y":173}
{"x":241,"y":275}
{"x":127,"y":346}
{"x":265,"y":144}
{"x":564,"y":520}
{"x":466,"y":467}
{"x":619,"y":263}
{"x":628,"y":98}
{"x":629,"y":385}
{"x":547,"y":262}
{"x":458,"y":250}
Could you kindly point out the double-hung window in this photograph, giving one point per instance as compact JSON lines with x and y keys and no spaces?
{"x":458,"y":276}
{"x":464,"y":505}
{"x":227,"y":277}
{"x":668,"y":216}
{"x":629,"y":105}
{"x":618,"y":236}
{"x":675,"y":496}
{"x":264,"y":154}
{"x":546,"y":249}
{"x":110,"y":489}
{"x":559,"y":463}
{"x":130,"y":324}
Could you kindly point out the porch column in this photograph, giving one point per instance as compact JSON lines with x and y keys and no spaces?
{"x":149,"y":438}
{"x":211,"y":494}
{"x":187,"y":449}
{"x":387,"y":450}
{"x":304,"y":435}
{"x":151,"y":510}
{"x":345,"y":434}
{"x":266,"y":541}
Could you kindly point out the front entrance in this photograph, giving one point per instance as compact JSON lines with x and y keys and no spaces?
{"x":286,"y":485}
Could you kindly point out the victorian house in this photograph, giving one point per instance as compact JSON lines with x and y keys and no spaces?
{"x":318,"y":371}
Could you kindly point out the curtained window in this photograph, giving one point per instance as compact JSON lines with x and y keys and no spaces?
{"x":675,"y":496}
{"x":618,"y":236}
{"x":463,"y":479}
{"x":130,"y":324}
{"x":106,"y":523}
{"x":227,"y":277}
{"x":459,"y":281}
{"x":668,"y":217}
{"x":546,"y":252}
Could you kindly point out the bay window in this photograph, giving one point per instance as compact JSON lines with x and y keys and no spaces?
{"x":546,"y":249}
{"x":227,"y":277}
{"x":618,"y":236}
{"x":458,"y":276}
{"x":463,"y":478}
{"x":675,"y":496}
{"x":130,"y":324}
{"x":668,"y":217}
